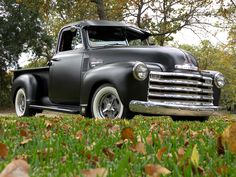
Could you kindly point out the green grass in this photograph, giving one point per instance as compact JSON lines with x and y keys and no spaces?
{"x":54,"y":150}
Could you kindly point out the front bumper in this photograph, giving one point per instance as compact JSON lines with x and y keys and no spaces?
{"x":158,"y":108}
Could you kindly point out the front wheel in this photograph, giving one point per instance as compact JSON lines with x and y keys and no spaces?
{"x":106,"y":103}
{"x":21,"y":105}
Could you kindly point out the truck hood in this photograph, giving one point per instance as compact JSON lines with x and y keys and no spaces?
{"x":166,"y":56}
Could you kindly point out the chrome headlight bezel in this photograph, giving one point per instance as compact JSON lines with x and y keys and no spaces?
{"x":140,"y":71}
{"x":219,"y":80}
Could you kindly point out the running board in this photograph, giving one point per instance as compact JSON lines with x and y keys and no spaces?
{"x":66,"y":109}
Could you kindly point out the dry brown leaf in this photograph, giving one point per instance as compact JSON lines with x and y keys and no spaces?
{"x":229,"y":138}
{"x":156,"y":170}
{"x":98,"y":172}
{"x":79,"y":135}
{"x":3,"y":151}
{"x":222,"y":170}
{"x":22,"y":125}
{"x":139,"y":148}
{"x":127,"y":133}
{"x":160,"y":152}
{"x":113,"y":129}
{"x":109,"y":153}
{"x":181,"y":152}
{"x":24,"y":133}
{"x":149,"y":139}
{"x":17,"y":168}
{"x":25,"y":141}
{"x":48,"y":124}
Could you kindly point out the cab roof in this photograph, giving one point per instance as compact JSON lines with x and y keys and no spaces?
{"x":104,"y":23}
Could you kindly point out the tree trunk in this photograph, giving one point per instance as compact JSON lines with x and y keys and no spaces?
{"x":100,"y":9}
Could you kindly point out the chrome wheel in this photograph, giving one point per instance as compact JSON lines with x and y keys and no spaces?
{"x":20,"y":103}
{"x":106,"y":103}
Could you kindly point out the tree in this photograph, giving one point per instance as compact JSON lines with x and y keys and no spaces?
{"x":166,"y":17}
{"x":20,"y":31}
{"x":221,"y":59}
{"x":100,"y":9}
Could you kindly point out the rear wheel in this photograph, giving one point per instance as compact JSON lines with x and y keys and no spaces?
{"x":106,"y":103}
{"x":190,"y":118}
{"x":21,"y":105}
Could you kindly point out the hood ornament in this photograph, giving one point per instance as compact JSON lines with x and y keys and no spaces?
{"x":187,"y":65}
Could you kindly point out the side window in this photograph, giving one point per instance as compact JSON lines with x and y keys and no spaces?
{"x":70,"y":40}
{"x":77,"y":41}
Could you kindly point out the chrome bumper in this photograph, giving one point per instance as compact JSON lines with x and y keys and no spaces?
{"x":159,"y":108}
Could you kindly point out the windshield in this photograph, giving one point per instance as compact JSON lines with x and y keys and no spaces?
{"x":101,"y":36}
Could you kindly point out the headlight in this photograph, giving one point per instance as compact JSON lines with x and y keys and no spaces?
{"x":219,"y":80}
{"x":140,"y":71}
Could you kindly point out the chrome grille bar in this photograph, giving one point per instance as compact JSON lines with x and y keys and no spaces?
{"x":180,"y":88}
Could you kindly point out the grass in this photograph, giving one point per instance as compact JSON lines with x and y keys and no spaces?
{"x":65,"y":145}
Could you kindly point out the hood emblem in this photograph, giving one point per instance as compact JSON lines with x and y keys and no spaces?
{"x":188,"y":65}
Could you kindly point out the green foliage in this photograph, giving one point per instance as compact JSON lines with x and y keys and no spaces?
{"x":65,"y":145}
{"x":221,"y":59}
{"x":5,"y":88}
{"x":37,"y":63}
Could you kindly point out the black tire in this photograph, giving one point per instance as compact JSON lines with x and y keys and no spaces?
{"x":21,"y":105}
{"x":190,"y":118}
{"x":106,"y":103}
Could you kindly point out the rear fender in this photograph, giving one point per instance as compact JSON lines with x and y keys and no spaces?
{"x":27,"y":82}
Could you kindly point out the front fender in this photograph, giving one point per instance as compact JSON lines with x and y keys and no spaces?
{"x":29,"y":83}
{"x":118,"y":74}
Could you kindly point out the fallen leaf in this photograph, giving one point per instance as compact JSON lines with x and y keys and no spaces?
{"x":25,"y":141}
{"x":160,"y":152}
{"x":24,"y":133}
{"x":156,"y":170}
{"x":229,"y":138}
{"x":149,"y":139}
{"x":195,"y":156}
{"x":97,"y":172}
{"x":109,"y":153}
{"x":79,"y":135}
{"x":113,"y":129}
{"x":181,"y":152}
{"x":139,"y":148}
{"x":17,"y":168}
{"x":3,"y":151}
{"x":222,"y":170}
{"x":127,"y":133}
{"x":48,"y":124}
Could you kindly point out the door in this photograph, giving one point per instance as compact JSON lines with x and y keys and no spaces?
{"x":66,"y":67}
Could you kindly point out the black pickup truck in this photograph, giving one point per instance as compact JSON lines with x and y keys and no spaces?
{"x":107,"y":69}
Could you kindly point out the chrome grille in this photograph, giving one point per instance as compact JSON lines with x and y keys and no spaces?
{"x":180,"y":88}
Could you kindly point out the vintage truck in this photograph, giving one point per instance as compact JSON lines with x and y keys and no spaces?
{"x":107,"y":69}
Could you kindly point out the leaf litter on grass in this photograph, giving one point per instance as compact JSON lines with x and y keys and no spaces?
{"x":139,"y":147}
